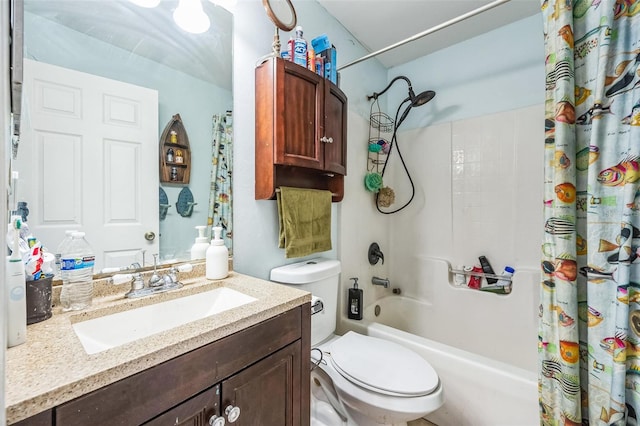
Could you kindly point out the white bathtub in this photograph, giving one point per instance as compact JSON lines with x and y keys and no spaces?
{"x":478,"y":390}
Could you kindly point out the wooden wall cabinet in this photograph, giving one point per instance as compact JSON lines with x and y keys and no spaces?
{"x":301,"y":130}
{"x":263,"y":371}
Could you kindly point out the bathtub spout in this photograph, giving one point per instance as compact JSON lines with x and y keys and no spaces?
{"x":380,"y":281}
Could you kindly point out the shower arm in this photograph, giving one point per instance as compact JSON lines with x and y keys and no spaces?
{"x":400,"y":77}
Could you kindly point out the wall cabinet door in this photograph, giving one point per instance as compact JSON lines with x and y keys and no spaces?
{"x":267,"y":393}
{"x":300,"y":128}
{"x":334,"y":139}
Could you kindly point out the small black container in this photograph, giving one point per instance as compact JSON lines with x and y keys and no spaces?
{"x":354,"y":308}
{"x":39,"y":299}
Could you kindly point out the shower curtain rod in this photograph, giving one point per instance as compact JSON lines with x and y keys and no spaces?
{"x":427,"y":32}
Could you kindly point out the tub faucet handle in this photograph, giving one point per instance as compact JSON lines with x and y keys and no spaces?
{"x":375,"y":254}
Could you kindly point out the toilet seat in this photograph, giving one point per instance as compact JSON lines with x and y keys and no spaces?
{"x":367,"y":404}
{"x":382,"y":366}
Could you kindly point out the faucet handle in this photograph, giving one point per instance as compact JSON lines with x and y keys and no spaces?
{"x":137,"y":283}
{"x":375,"y":254}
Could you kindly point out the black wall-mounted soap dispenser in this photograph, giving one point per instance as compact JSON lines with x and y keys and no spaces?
{"x":354,"y":307}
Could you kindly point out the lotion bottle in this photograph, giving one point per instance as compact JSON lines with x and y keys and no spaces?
{"x":199,"y":249}
{"x":16,"y":290}
{"x":217,"y":264}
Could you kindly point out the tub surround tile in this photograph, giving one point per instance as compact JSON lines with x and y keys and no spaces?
{"x":52,"y":367}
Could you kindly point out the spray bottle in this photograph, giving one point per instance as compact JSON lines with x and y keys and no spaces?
{"x":16,"y":282}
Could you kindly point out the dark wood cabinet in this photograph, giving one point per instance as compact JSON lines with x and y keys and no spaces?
{"x":262,"y":370}
{"x":301,"y":130}
{"x":266,"y":393}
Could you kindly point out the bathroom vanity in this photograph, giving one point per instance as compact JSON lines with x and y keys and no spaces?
{"x":250,"y":362}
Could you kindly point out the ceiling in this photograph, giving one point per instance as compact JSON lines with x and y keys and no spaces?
{"x":150,"y":33}
{"x":380,"y":23}
{"x":376,"y":24}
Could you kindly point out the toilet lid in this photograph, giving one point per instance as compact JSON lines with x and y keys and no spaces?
{"x":382,"y":366}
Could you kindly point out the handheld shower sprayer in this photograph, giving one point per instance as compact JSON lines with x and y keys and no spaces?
{"x":414,"y":101}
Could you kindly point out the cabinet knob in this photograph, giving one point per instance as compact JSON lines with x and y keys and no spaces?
{"x":326,"y":139}
{"x":232,"y":413}
{"x":216,"y":421}
{"x":330,"y":140}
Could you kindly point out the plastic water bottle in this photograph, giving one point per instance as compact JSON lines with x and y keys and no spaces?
{"x":76,"y":270}
{"x":58,"y":254}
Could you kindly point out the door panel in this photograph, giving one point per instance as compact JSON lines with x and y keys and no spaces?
{"x":267,"y":393}
{"x":301,"y":115}
{"x":335,"y":153}
{"x":88,"y":161}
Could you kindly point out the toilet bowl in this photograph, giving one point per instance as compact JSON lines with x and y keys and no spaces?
{"x":358,"y":380}
{"x":377,"y":382}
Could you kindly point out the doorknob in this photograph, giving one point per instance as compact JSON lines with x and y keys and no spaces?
{"x":149,"y":236}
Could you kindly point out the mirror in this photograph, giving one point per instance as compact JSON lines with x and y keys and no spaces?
{"x":282,"y":13}
{"x":192,"y":74}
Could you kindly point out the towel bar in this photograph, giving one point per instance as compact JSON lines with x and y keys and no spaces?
{"x":333,"y":194}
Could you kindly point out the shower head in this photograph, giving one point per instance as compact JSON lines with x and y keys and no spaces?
{"x":416,"y":101}
{"x":422,"y":98}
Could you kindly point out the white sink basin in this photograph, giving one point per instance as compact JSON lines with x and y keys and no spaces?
{"x":109,"y":331}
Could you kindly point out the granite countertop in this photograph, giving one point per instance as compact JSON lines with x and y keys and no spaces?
{"x":52,"y":367}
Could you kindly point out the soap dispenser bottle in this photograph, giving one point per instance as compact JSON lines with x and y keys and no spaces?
{"x":217,"y":264}
{"x":355,"y":301}
{"x":199,"y":249}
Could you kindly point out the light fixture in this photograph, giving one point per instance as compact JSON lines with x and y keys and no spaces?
{"x":190,"y":16}
{"x":146,"y":3}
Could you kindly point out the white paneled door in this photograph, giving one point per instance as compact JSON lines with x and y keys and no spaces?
{"x":88,"y":160}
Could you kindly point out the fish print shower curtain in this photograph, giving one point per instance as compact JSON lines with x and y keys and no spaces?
{"x":220,"y":207}
{"x":589,"y":334}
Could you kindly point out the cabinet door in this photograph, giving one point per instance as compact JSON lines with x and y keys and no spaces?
{"x":298,"y":123}
{"x":335,"y":130}
{"x":267,"y":393}
{"x":193,"y":412}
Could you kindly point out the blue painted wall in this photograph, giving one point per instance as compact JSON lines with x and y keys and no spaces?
{"x":496,"y":71}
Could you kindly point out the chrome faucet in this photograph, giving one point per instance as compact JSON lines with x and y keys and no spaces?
{"x":384,"y":282}
{"x":156,"y":284}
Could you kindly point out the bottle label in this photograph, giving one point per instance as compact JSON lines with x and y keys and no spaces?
{"x":300,"y":52}
{"x":70,"y":264}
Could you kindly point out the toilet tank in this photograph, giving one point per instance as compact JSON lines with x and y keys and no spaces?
{"x":320,"y":277}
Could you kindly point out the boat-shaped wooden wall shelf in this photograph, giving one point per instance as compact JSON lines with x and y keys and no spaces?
{"x":175,"y":153}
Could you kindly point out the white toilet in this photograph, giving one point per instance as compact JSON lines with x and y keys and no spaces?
{"x":360,"y":380}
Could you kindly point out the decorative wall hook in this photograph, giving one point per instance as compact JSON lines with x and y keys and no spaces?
{"x":164,"y":204}
{"x":185,"y":202}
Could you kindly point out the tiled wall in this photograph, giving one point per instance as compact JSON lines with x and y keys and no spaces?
{"x":478,"y":192}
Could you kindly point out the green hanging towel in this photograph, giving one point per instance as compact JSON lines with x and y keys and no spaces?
{"x":305,"y":221}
